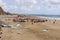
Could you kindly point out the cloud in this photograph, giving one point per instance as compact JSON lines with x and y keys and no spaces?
{"x":28,"y":5}
{"x":3,"y":5}
{"x":56,"y":1}
{"x":51,"y":5}
{"x":30,"y":8}
{"x":12,"y":7}
{"x":26,"y":1}
{"x":6,"y":7}
{"x":34,"y":1}
{"x":25,"y":8}
{"x":20,"y":5}
{"x":35,"y":7}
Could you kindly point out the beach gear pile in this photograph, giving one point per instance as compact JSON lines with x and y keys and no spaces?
{"x":17,"y":26}
{"x":8,"y":25}
{"x":45,"y":30}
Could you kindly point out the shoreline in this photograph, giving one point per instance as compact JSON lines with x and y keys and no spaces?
{"x":50,"y":18}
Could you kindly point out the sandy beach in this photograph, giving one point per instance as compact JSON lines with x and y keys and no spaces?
{"x":36,"y":31}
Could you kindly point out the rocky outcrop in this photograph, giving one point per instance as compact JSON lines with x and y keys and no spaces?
{"x":1,"y":11}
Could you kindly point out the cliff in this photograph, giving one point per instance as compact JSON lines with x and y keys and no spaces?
{"x":1,"y":11}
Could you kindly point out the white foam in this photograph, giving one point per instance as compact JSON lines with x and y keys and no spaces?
{"x":49,"y":17}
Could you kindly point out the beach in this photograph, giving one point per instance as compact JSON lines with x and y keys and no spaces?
{"x":49,"y":30}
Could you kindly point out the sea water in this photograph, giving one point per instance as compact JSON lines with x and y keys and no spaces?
{"x":56,"y":17}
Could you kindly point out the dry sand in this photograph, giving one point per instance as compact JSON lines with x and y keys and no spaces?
{"x":33,"y":31}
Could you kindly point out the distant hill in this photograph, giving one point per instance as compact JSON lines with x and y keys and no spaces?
{"x":2,"y":12}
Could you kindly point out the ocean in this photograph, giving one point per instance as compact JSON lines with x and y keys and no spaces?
{"x":57,"y":17}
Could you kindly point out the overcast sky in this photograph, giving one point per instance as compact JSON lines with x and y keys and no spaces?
{"x":31,"y":6}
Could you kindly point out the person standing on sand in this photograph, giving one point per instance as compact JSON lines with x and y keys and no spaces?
{"x":32,"y":22}
{"x":54,"y":22}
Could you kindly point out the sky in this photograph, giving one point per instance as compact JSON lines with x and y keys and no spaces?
{"x":31,"y":6}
